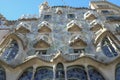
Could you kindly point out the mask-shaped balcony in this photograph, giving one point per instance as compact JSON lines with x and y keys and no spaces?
{"x":95,"y":25}
{"x":73,"y":27}
{"x":89,"y":15}
{"x":23,"y":28}
{"x":77,"y":42}
{"x":44,"y":27}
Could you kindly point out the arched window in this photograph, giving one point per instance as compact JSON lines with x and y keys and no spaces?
{"x":117,"y":73}
{"x":94,"y":74}
{"x":44,"y":73}
{"x":2,"y":74}
{"x":107,"y":47}
{"x":60,"y":74}
{"x":27,"y":74}
{"x":11,"y":50}
{"x":76,"y":73}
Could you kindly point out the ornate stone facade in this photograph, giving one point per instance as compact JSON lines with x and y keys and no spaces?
{"x":62,"y":43}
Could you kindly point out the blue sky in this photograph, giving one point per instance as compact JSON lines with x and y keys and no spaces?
{"x":13,"y":9}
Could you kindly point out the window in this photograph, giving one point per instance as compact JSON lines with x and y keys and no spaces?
{"x":71,"y":16}
{"x":113,"y":18}
{"x":11,"y":50}
{"x":0,"y":22}
{"x":2,"y":74}
{"x":47,"y":17}
{"x":105,"y":11}
{"x":76,"y":73}
{"x":107,"y":47}
{"x":117,"y":73}
{"x":27,"y":74}
{"x":79,"y":50}
{"x":60,"y":74}
{"x":103,"y":6}
{"x":43,"y":73}
{"x":41,"y":52}
{"x":117,"y":29}
{"x":94,"y":74}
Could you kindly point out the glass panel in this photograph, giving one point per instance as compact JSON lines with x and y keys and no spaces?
{"x":113,"y":18}
{"x":117,"y":76}
{"x":2,"y":74}
{"x":27,"y":74}
{"x":108,"y":48}
{"x":41,"y":52}
{"x":105,"y":11}
{"x":44,"y":74}
{"x":71,"y":16}
{"x":60,"y":74}
{"x":79,"y":50}
{"x":94,"y":74}
{"x":47,"y":17}
{"x":11,"y":51}
{"x":117,"y":28}
{"x":76,"y":73}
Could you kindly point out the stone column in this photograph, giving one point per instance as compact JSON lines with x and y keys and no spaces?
{"x":54,"y":68}
{"x":65,"y":70}
{"x":86,"y":69}
{"x":34,"y":70}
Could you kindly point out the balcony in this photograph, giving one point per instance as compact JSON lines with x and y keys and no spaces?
{"x":90,"y":15}
{"x":72,"y":56}
{"x":95,"y":25}
{"x":46,"y":57}
{"x":74,"y":27}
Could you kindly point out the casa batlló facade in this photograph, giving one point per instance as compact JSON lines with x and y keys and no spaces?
{"x":62,"y":43}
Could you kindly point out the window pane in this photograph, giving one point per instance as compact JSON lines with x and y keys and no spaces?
{"x":60,"y":74}
{"x":41,"y":52}
{"x":108,"y":48}
{"x":76,"y":73}
{"x":27,"y":74}
{"x":2,"y":74}
{"x":44,"y":74}
{"x":71,"y":16}
{"x":47,"y":17}
{"x":11,"y":51}
{"x":117,"y":76}
{"x":94,"y":74}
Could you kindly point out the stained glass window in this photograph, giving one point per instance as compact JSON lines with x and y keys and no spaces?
{"x":108,"y":48}
{"x":94,"y":74}
{"x":60,"y":74}
{"x":2,"y":74}
{"x":11,"y":50}
{"x":44,"y":73}
{"x":76,"y":73}
{"x":27,"y":74}
{"x":117,"y":75}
